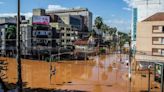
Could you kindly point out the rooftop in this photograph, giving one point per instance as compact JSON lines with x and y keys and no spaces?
{"x":81,"y":42}
{"x":68,"y":10}
{"x":156,"y":17}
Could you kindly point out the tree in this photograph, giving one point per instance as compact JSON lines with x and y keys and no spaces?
{"x":104,"y":28}
{"x":11,"y":32}
{"x":98,"y":22}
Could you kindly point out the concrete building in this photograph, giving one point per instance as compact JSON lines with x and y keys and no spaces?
{"x":81,"y":11}
{"x":7,"y":45}
{"x":142,"y":9}
{"x":68,"y":34}
{"x":7,"y":20}
{"x":39,"y":12}
{"x":26,"y":38}
{"x":150,"y":39}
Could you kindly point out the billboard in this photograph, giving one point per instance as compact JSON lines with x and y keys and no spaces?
{"x":44,"y":20}
{"x":158,"y":72}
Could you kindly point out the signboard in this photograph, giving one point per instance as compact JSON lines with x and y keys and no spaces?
{"x":44,"y":20}
{"x":158,"y":72}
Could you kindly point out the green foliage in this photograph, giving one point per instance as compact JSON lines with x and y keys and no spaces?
{"x":98,"y":22}
{"x":102,"y":50}
{"x":11,"y":32}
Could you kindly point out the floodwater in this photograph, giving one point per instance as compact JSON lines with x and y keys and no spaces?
{"x":102,"y":74}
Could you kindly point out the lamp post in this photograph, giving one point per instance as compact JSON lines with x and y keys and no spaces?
{"x":18,"y":56}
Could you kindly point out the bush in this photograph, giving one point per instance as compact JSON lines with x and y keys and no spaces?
{"x":102,"y":50}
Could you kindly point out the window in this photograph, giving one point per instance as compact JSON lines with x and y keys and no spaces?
{"x":68,"y":34}
{"x":155,"y":27}
{"x":162,"y":52}
{"x":68,"y":40}
{"x":163,"y":29}
{"x":68,"y":29}
{"x":62,"y":34}
{"x":62,"y":28}
{"x":162,"y":40}
{"x":155,"y":39}
{"x":62,"y":40}
{"x":154,"y":50}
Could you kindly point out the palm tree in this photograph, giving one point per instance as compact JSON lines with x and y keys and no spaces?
{"x":11,"y":36}
{"x":11,"y":32}
{"x":98,"y":22}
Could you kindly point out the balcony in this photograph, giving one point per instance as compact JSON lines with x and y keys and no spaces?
{"x":158,"y":40}
{"x":158,"y":29}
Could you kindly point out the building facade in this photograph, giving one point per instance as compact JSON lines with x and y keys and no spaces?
{"x":142,"y":9}
{"x":150,"y":39}
{"x":85,"y":13}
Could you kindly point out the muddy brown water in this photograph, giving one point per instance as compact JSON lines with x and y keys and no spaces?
{"x":102,"y":74}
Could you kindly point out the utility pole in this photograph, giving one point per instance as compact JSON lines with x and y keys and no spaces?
{"x":130,"y":59}
{"x":18,"y":57}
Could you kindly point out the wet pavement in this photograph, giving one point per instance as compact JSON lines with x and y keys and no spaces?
{"x":102,"y":74}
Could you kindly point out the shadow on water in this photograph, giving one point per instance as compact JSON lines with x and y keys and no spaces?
{"x":11,"y":87}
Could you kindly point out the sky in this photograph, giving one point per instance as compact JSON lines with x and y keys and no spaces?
{"x":115,"y":13}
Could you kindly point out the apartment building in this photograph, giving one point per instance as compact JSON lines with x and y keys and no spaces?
{"x":7,"y":45}
{"x":141,"y":10}
{"x":150,"y":38}
{"x":68,"y":34}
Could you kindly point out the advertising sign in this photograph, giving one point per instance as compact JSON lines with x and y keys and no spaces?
{"x":158,"y":72}
{"x":44,"y":20}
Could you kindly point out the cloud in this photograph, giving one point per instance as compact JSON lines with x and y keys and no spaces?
{"x":28,"y":14}
{"x":55,"y":7}
{"x":129,"y":3}
{"x":120,"y":24}
{"x":127,"y":8}
{"x":1,"y":2}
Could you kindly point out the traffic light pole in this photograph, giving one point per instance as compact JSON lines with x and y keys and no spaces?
{"x":18,"y":56}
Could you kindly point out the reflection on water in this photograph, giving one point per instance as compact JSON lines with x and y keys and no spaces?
{"x":92,"y":75}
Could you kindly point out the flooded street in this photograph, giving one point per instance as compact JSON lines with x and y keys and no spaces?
{"x":102,"y":74}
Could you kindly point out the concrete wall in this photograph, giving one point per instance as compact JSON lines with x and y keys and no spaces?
{"x":144,"y":43}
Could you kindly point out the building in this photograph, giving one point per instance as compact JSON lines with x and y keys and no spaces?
{"x":150,"y":39}
{"x":39,"y":12}
{"x":7,"y":44}
{"x":85,"y":13}
{"x":142,"y":9}
{"x":26,"y":38}
{"x":7,"y":20}
{"x":67,"y":34}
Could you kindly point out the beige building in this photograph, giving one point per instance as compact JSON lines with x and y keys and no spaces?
{"x":150,"y":39}
{"x":68,"y":33}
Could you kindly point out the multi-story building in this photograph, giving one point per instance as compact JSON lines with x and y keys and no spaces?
{"x":68,"y":34}
{"x":26,"y":38}
{"x":150,"y":39}
{"x":7,"y":45}
{"x":83,"y":12}
{"x":141,"y":10}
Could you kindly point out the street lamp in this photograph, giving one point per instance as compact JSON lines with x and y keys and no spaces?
{"x":18,"y":56}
